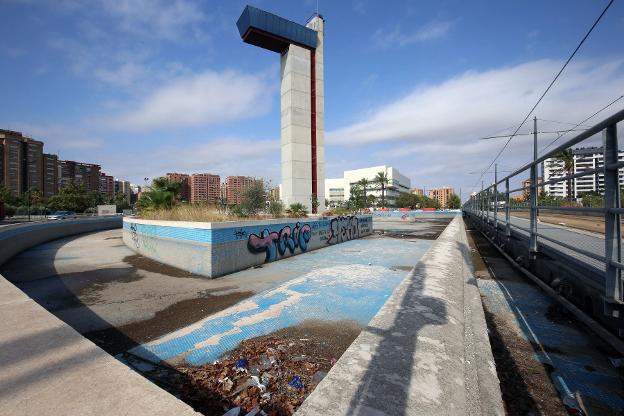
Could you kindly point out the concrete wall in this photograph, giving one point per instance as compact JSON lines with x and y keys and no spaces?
{"x":296,"y":123}
{"x":17,"y":238}
{"x":427,"y":350}
{"x":215,"y":249}
{"x":48,"y":367}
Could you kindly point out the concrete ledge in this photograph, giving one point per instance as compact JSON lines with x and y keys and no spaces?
{"x":15,"y":239}
{"x":216,"y":249}
{"x":46,"y":367}
{"x":426,"y":352}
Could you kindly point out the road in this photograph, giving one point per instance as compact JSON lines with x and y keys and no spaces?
{"x":584,"y":240}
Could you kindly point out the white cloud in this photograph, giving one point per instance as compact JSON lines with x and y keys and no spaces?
{"x":202,"y":99}
{"x":222,"y":156}
{"x":431,"y":133}
{"x":397,"y":37}
{"x":161,"y":19}
{"x":61,"y":139}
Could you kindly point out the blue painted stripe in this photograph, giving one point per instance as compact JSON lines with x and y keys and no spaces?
{"x":224,"y":235}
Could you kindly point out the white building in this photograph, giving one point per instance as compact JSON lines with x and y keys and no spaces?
{"x":339,"y":189}
{"x":584,"y":159}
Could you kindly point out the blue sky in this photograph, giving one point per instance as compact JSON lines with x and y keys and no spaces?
{"x":145,"y":87}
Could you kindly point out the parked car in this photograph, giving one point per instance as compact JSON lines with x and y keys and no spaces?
{"x":62,"y":215}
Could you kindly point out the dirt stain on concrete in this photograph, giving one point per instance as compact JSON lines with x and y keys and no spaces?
{"x":143,"y":263}
{"x":183,"y":313}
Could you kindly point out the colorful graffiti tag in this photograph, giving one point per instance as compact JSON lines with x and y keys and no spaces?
{"x":273,"y":242}
{"x":343,"y":229}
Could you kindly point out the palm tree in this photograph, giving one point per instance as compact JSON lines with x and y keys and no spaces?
{"x":364,"y":183}
{"x":297,"y":210}
{"x":382,"y":180}
{"x":162,"y":194}
{"x":567,"y":158}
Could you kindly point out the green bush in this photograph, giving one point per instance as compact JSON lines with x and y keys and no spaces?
{"x":9,"y":210}
{"x":276,"y":208}
{"x":238,"y":211}
{"x":297,"y":210}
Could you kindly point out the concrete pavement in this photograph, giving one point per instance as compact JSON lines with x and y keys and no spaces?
{"x":427,"y":350}
{"x":46,"y":367}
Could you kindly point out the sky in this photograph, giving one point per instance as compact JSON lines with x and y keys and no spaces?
{"x":148,"y":87}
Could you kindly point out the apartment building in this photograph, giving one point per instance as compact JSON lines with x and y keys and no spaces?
{"x":185,"y":179}
{"x":583,"y":159}
{"x":205,"y":188}
{"x":418,"y":191}
{"x":22,"y":162}
{"x":234,"y":187}
{"x":526,"y":185}
{"x":442,"y":195}
{"x":125,"y":187}
{"x":50,"y":175}
{"x":274,"y":194}
{"x":86,"y":174}
{"x":107,"y":185}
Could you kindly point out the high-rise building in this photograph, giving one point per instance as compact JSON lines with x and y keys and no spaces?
{"x":50,"y":175}
{"x":418,"y":191}
{"x":526,"y":188}
{"x":235,"y":186}
{"x":85,"y":174}
{"x":274,"y":193}
{"x":22,"y":161}
{"x":107,"y":185}
{"x":442,"y":195}
{"x":185,"y":193}
{"x":583,"y":159}
{"x":125,"y":188}
{"x":205,"y":188}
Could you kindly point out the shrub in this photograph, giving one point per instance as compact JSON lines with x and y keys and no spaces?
{"x":297,"y":210}
{"x":276,"y":208}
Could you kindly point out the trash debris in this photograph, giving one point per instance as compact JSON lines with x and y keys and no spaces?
{"x":233,"y":412}
{"x":318,"y":376}
{"x":296,"y":382}
{"x":255,"y":381}
{"x":242,"y":363}
{"x":270,"y":375}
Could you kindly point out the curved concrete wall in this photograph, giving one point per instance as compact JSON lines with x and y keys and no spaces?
{"x":215,"y":249}
{"x":48,"y":367}
{"x":17,"y":238}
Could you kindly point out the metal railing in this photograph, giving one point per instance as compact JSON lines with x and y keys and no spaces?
{"x":486,"y":205}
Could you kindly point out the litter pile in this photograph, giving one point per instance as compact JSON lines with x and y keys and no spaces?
{"x":269,"y":375}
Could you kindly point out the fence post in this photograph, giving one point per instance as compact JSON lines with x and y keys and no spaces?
{"x":482,"y":199}
{"x":507,"y":211}
{"x":487,"y":207}
{"x":495,"y":202}
{"x":533,"y":197}
{"x":613,"y":242}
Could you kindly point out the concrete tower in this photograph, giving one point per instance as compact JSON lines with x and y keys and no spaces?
{"x":302,"y":99}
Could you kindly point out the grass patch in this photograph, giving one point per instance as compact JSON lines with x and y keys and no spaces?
{"x":199,"y":213}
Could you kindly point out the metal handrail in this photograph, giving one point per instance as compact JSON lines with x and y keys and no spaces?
{"x":487,"y":200}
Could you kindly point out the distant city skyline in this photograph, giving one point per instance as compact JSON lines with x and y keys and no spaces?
{"x":162,"y":86}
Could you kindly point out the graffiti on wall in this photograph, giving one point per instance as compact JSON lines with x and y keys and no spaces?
{"x":343,"y":229}
{"x":135,"y":237}
{"x":273,"y":243}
